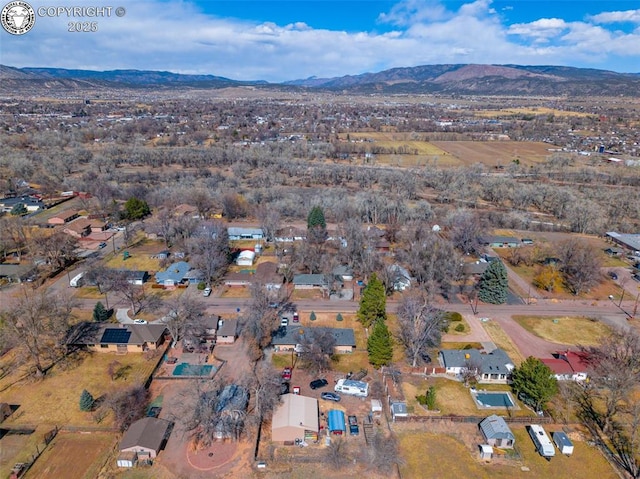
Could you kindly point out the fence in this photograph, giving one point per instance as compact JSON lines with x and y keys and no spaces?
{"x":476,"y":419}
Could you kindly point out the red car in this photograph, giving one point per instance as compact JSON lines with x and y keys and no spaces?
{"x":286,"y":373}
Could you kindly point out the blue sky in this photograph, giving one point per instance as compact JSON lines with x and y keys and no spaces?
{"x":291,"y":39}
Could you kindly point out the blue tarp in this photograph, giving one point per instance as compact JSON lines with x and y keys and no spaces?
{"x":336,"y":420}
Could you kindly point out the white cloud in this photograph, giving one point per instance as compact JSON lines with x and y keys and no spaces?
{"x":632,"y":16}
{"x":174,"y":35}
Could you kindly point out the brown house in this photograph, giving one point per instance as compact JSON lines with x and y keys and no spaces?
{"x":118,"y":338}
{"x":227,"y":331}
{"x":63,"y":217}
{"x":79,"y":228}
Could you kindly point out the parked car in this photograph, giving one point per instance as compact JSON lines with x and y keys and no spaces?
{"x":102,"y":245}
{"x":139,"y":321}
{"x":206,"y":292}
{"x":425,"y":358}
{"x":636,"y":277}
{"x":296,"y":317}
{"x":354,"y":429}
{"x":329,"y":396}
{"x":613,"y":275}
{"x":284,"y":388}
{"x":274,"y":305}
{"x":284,"y":322}
{"x":318,"y":383}
{"x":286,"y":373}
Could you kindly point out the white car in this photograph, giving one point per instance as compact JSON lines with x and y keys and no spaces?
{"x":206,"y":292}
{"x":284,"y":322}
{"x":139,"y":321}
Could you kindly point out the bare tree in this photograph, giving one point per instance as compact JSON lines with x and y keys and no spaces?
{"x":384,"y":453}
{"x":259,"y":322}
{"x":337,"y":454}
{"x":264,"y":384}
{"x":37,"y":324}
{"x":580,"y":264}
{"x":135,"y":295}
{"x":421,"y":325}
{"x":269,"y":221}
{"x":128,"y":405}
{"x":465,"y":230}
{"x":470,"y":372}
{"x":209,"y":251}
{"x":184,"y":317}
{"x":316,"y":348}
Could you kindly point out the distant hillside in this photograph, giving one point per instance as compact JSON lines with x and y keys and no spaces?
{"x":448,"y":79}
{"x":484,"y":80}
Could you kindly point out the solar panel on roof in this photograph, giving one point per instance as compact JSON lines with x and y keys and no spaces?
{"x":115,"y":336}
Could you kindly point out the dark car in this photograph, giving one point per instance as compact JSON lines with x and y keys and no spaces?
{"x":318,"y":383}
{"x":425,"y":358}
{"x":284,"y":388}
{"x":330,"y":396}
{"x":613,"y":275}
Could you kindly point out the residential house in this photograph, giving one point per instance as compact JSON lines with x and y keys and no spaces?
{"x":500,"y":241}
{"x":400,"y":277}
{"x":494,"y":367}
{"x":135,"y":276}
{"x":310,"y":281}
{"x":243,"y":278}
{"x":117,"y":338}
{"x":286,"y":339}
{"x":296,"y":417}
{"x":63,"y":217}
{"x":496,"y":432}
{"x":31,"y":203}
{"x":343,"y":272}
{"x":568,"y":365}
{"x":630,"y":242}
{"x":236,"y":234}
{"x":267,"y":275}
{"x":79,"y":228}
{"x":174,"y":274}
{"x":227,"y":331}
{"x":146,"y":438}
{"x":17,"y":273}
{"x":290,"y":234}
{"x":476,"y":268}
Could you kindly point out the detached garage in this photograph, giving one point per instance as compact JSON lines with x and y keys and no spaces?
{"x":295,"y":418}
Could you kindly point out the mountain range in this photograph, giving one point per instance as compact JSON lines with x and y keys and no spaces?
{"x":467,"y":79}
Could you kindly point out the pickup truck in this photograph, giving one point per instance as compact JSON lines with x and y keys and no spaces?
{"x":354,"y":430}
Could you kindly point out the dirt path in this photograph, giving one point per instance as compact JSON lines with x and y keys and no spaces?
{"x":529,"y":344}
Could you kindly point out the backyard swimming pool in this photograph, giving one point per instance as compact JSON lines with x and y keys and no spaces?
{"x":186,"y":369}
{"x":494,"y":399}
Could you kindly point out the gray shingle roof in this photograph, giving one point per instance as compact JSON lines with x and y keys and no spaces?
{"x":176,"y":272}
{"x":148,"y":432}
{"x":495,"y":427}
{"x":310,"y":280}
{"x":493,"y":363}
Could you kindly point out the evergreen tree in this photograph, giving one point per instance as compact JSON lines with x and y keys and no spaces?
{"x":312,"y":316}
{"x":494,"y":284}
{"x":19,"y":209}
{"x":535,"y":381}
{"x":100,"y":314}
{"x":316,"y":218}
{"x":135,"y":209}
{"x":380,"y":345}
{"x":86,"y":401}
{"x":373,"y":304}
{"x":339,"y":317}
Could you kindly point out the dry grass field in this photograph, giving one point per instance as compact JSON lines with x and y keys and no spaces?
{"x":565,"y":330}
{"x":429,"y":455}
{"x":537,"y":111}
{"x":495,"y":153}
{"x":73,"y":456}
{"x":54,"y":400}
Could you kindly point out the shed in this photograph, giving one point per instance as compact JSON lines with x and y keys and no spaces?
{"x":563,"y":443}
{"x":496,"y":432}
{"x":246,"y":258}
{"x":486,"y":451}
{"x":146,"y":437}
{"x":376,"y":407}
{"x":336,"y":422}
{"x":399,"y":409}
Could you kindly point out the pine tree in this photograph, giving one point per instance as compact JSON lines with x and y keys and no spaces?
{"x":379,"y":345}
{"x":312,"y":316}
{"x":494,"y":284}
{"x":86,"y":401}
{"x":535,"y":381}
{"x":339,"y":317}
{"x":316,"y":218}
{"x":100,"y":314}
{"x":373,"y":304}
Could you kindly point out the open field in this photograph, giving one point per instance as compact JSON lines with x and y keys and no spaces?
{"x":19,"y":448}
{"x":54,"y":400}
{"x":430,"y":455}
{"x":503,"y":341}
{"x":73,"y":456}
{"x":495,"y":153}
{"x":565,"y":330}
{"x":527,"y":111}
{"x":139,"y":257}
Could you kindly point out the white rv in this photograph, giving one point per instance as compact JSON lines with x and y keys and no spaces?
{"x":77,"y":280}
{"x":543,"y":444}
{"x":355,"y":388}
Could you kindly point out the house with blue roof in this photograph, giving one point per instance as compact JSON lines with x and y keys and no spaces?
{"x":174,"y":274}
